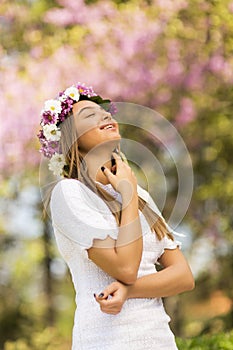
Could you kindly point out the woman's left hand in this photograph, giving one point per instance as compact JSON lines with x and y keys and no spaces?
{"x":112,"y":298}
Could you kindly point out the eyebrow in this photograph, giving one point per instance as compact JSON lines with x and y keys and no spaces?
{"x":84,"y":108}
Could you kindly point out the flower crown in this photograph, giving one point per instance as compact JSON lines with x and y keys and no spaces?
{"x":55,"y":112}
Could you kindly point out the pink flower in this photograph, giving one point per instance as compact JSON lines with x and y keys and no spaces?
{"x":48,"y":118}
{"x":49,"y":148}
{"x":216,"y":63}
{"x":187,"y":112}
{"x":230,"y":6}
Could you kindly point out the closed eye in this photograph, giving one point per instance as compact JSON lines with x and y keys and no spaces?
{"x":90,"y":115}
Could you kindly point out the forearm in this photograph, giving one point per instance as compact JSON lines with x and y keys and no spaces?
{"x":130,"y":226}
{"x":129,"y":242}
{"x":170,"y":281}
{"x":121,"y":258}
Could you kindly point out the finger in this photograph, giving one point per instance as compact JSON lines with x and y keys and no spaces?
{"x":113,"y":169}
{"x":111,"y":312}
{"x":109,"y":303}
{"x":110,"y":307}
{"x":110,"y":289}
{"x":107,"y":172}
{"x":115,"y":310}
{"x":116,"y":156}
{"x":99,"y":298}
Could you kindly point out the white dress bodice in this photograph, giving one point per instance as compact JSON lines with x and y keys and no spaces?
{"x":79,"y":216}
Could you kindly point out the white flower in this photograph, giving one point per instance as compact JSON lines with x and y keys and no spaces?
{"x":57,"y":163}
{"x":51,"y":132}
{"x":62,"y":98}
{"x":73,"y":93}
{"x":54,"y":106}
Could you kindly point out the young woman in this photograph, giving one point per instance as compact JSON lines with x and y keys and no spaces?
{"x":108,"y":230}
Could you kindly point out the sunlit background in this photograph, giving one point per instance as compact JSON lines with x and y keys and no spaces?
{"x":173,"y":56}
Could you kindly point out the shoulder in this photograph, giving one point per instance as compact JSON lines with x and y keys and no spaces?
{"x":68,"y":188}
{"x":67,"y":184}
{"x":70,"y":195}
{"x":79,"y":214}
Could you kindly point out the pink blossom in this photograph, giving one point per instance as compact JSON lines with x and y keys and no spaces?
{"x":60,"y":17}
{"x":124,"y":52}
{"x":169,"y":7}
{"x":175,"y":72}
{"x":77,"y":12}
{"x":194,"y":78}
{"x":216,"y":63}
{"x":220,"y":66}
{"x":187,"y":112}
{"x":230,"y":7}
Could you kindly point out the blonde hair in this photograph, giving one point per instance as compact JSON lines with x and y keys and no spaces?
{"x":76,"y":169}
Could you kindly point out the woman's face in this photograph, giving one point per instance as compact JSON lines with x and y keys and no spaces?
{"x":94,"y":125}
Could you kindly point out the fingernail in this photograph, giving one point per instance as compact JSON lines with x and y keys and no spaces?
{"x":101,"y":295}
{"x":103,"y":168}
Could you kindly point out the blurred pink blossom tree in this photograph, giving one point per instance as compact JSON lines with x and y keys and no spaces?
{"x":164,"y":55}
{"x":173,"y":56}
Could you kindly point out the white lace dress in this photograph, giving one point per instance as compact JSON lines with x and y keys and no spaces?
{"x":79,"y":216}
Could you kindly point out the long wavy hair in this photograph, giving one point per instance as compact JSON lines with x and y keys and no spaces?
{"x":76,"y":169}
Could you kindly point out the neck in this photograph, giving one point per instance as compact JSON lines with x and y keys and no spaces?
{"x":98,"y":157}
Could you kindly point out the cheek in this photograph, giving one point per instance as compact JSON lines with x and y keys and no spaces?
{"x":88,"y":140}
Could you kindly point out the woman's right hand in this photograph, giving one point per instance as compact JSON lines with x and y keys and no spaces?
{"x":124,"y":181}
{"x":121,"y":261}
{"x":113,"y":297}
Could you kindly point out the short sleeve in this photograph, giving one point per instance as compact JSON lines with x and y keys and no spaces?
{"x":167,"y":243}
{"x":80,"y":215}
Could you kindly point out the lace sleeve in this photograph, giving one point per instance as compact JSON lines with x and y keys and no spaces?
{"x":80,"y":214}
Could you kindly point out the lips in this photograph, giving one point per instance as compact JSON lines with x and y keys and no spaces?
{"x":108,"y":126}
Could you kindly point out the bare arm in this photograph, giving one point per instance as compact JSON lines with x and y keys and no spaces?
{"x":175,"y":278}
{"x":121,"y":258}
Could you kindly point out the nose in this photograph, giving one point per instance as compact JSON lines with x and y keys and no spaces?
{"x":107,"y":115}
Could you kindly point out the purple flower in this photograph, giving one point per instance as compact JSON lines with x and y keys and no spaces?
{"x":48,"y":118}
{"x":49,"y":148}
{"x":67,"y":105}
{"x":55,"y":112}
{"x":85,"y":90}
{"x":40,"y":135}
{"x":112,"y":108}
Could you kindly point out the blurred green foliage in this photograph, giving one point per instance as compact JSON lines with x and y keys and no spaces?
{"x":51,"y":340}
{"x":221,"y":341}
{"x":175,"y":58}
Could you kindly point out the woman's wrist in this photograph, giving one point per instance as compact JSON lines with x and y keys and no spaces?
{"x":130,"y":289}
{"x":129,"y":198}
